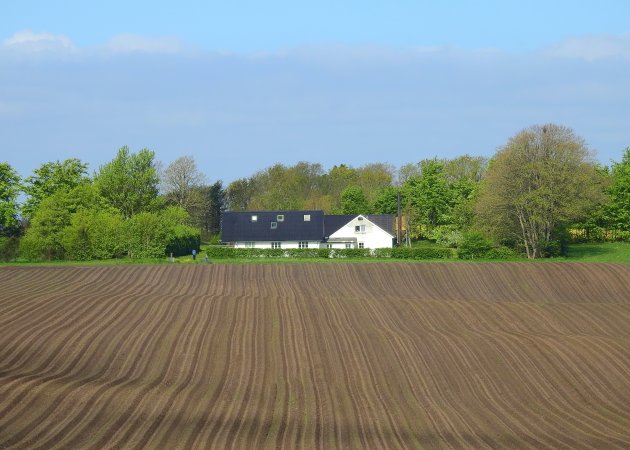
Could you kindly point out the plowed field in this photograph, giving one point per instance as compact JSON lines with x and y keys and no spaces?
{"x":325,"y":356}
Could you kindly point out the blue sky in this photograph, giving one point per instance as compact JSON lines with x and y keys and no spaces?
{"x":242,"y":85}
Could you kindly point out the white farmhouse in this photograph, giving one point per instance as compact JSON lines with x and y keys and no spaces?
{"x":306,"y":229}
{"x":360,"y":231}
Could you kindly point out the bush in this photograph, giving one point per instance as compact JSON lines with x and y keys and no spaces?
{"x":500,"y":253}
{"x":446,"y":235}
{"x":183,"y":239}
{"x":9,"y":248}
{"x":474,"y":245}
{"x":154,"y":235}
{"x":421,"y":253}
{"x":93,"y":235}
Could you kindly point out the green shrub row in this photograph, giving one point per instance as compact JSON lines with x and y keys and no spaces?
{"x":396,"y":253}
{"x":90,"y":234}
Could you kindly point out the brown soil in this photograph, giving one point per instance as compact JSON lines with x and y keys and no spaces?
{"x":324,"y":356}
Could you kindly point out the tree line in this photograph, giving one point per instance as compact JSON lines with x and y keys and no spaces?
{"x":540,"y":190}
{"x":128,"y":208}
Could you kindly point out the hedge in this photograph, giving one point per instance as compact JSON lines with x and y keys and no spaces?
{"x":9,"y":248}
{"x":220,"y":252}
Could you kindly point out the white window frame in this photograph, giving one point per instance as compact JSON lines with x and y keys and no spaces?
{"x":280,"y":217}
{"x":303,"y":244}
{"x":329,"y":246}
{"x":250,"y":244}
{"x":361,"y":244}
{"x":359,"y":228}
{"x":307,"y":217}
{"x":274,"y":225}
{"x":348,"y":245}
{"x":276,"y":244}
{"x":254,"y":217}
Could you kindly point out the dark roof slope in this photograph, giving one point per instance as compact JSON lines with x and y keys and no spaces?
{"x":333,"y":223}
{"x":239,"y":227}
{"x":384,"y":221}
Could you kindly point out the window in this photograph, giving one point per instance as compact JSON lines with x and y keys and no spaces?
{"x":359,"y":228}
{"x":361,"y":245}
{"x":307,"y":217}
{"x":328,"y":245}
{"x":348,"y":245}
{"x":249,"y":245}
{"x":274,"y":225}
{"x":276,"y":245}
{"x":303,"y":244}
{"x":280,"y":218}
{"x":254,"y":218}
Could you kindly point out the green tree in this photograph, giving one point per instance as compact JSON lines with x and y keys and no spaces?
{"x":44,"y":239}
{"x":464,"y":175}
{"x":353,"y":201}
{"x":336,"y":180}
{"x":619,"y":192}
{"x":50,"y":178}
{"x":130,"y":182}
{"x":427,"y":198}
{"x":239,"y":194}
{"x":286,"y":187}
{"x":539,"y":182}
{"x":373,"y":178}
{"x":9,"y":191}
{"x":207,"y":217}
{"x":386,"y":201}
{"x":180,"y":183}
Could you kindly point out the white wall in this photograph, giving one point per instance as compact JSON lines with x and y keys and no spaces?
{"x":284,"y":244}
{"x":372,"y":237}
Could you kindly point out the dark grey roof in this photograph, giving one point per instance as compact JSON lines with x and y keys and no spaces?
{"x":333,"y":223}
{"x":239,"y":227}
{"x":384,"y":221}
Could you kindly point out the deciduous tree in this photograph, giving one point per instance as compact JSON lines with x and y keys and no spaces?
{"x":130,"y":182}
{"x":9,"y":191}
{"x":541,"y":180}
{"x":619,"y":191}
{"x":180,"y":181}
{"x":353,"y":201}
{"x":50,"y":178}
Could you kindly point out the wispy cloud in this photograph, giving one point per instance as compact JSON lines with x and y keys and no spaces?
{"x":593,"y":48}
{"x":130,"y":43}
{"x":30,"y":41}
{"x":31,"y":44}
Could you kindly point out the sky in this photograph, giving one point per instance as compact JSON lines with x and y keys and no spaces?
{"x":243,"y":85}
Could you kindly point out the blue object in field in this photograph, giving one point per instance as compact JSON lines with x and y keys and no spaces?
{"x":194,"y":252}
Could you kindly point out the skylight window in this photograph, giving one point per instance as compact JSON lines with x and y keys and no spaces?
{"x":280,"y":218}
{"x":274,"y":225}
{"x":254,"y":218}
{"x":307,"y":217}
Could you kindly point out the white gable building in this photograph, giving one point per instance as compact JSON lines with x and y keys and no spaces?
{"x":306,"y":229}
{"x":360,"y":232}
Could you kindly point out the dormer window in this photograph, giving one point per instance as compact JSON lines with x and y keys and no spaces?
{"x":274,"y":225}
{"x":254,"y":218}
{"x":280,"y":218}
